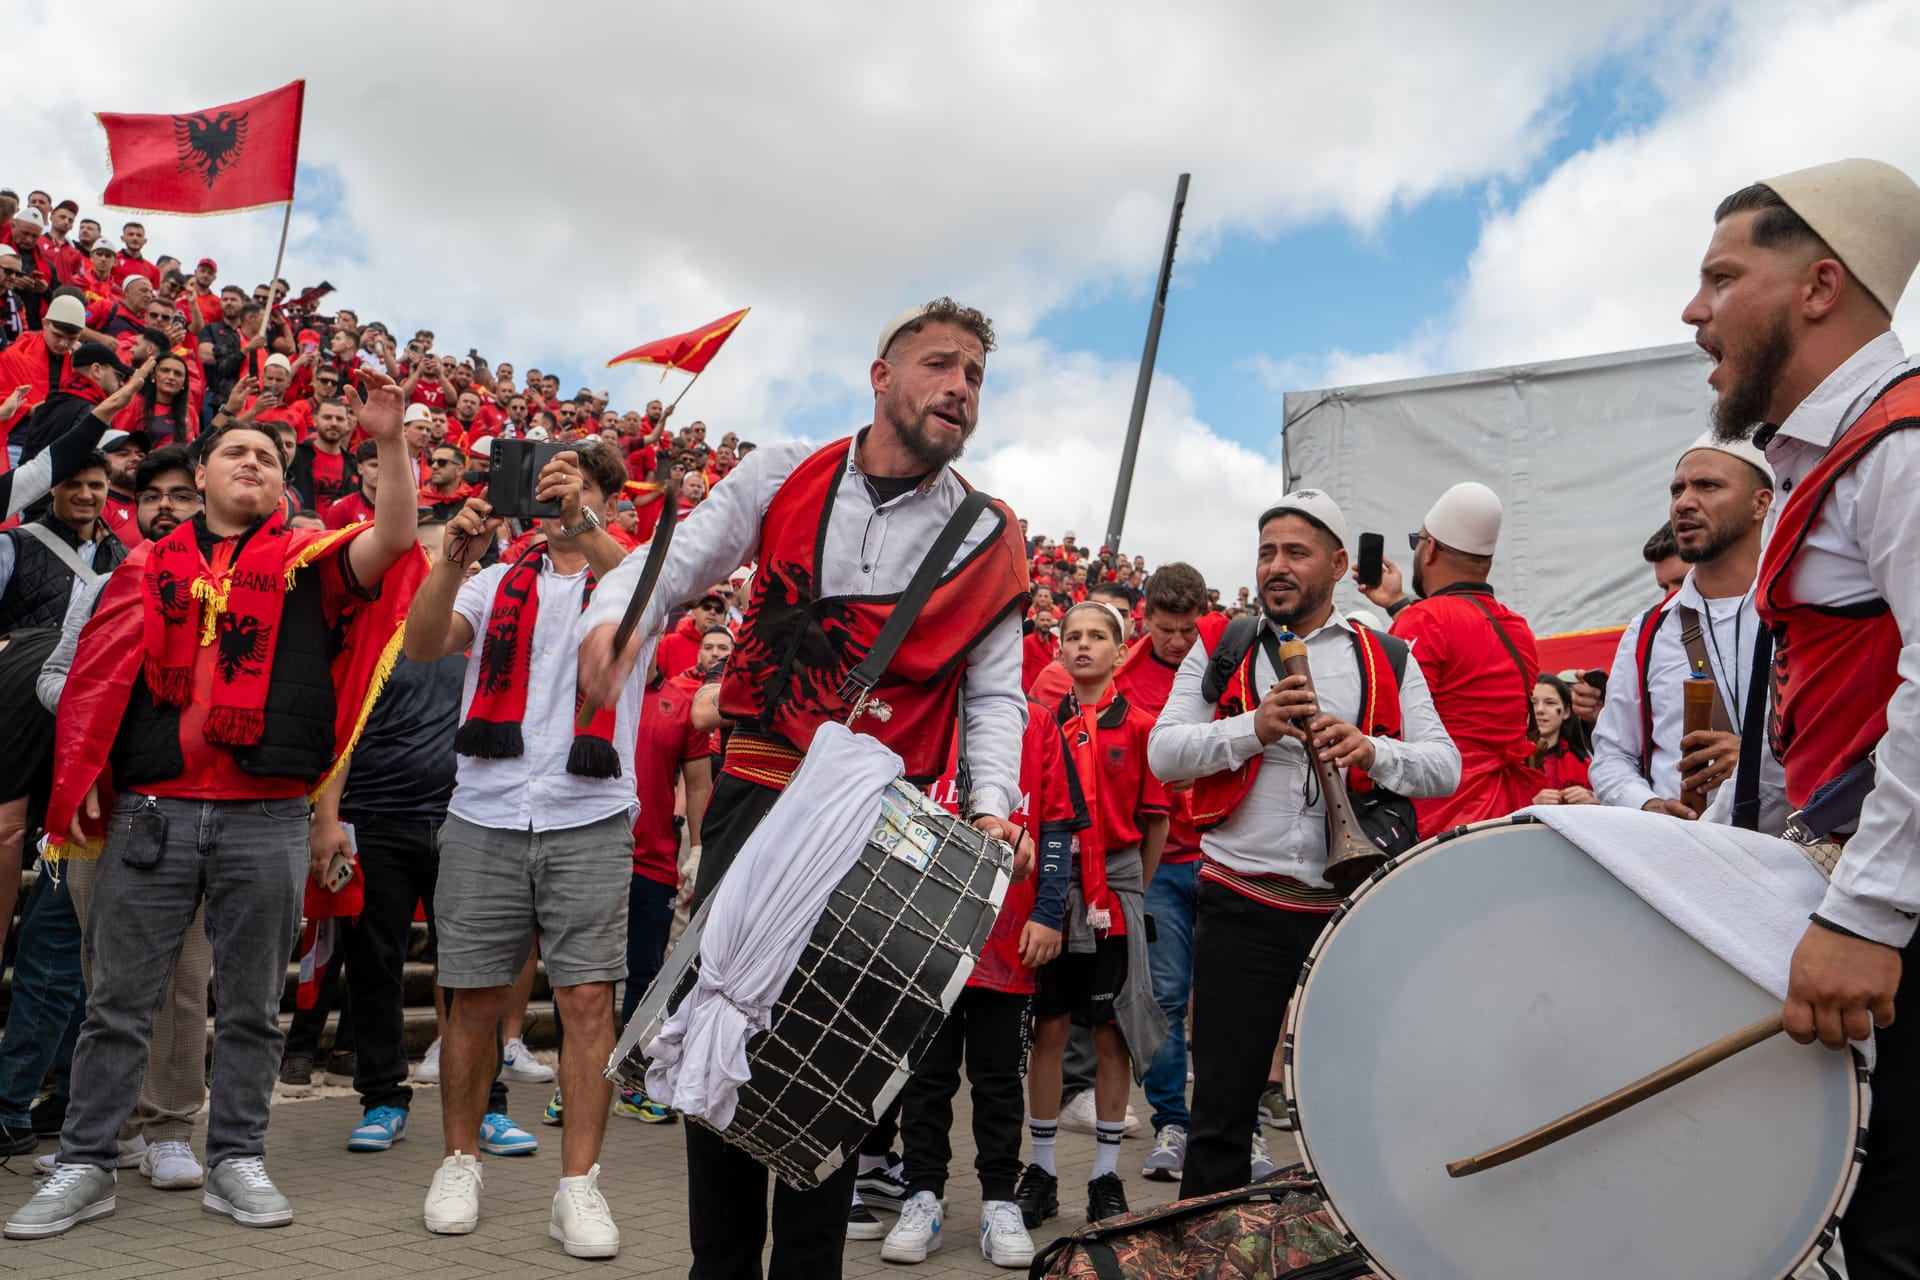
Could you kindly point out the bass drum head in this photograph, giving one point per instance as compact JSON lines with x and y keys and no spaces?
{"x":1499,"y":978}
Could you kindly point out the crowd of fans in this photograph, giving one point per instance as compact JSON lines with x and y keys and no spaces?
{"x":125,"y":373}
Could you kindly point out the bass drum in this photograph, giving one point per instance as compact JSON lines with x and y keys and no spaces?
{"x":1495,"y":978}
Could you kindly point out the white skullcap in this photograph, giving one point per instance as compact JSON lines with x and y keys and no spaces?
{"x":1868,"y":212}
{"x":1745,"y":450}
{"x":1466,"y":518}
{"x":278,"y":361}
{"x":1317,"y":506}
{"x":900,"y":321}
{"x":416,"y":413}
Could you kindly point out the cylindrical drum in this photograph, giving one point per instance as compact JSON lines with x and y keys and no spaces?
{"x":1497,"y":978}
{"x":883,"y":966}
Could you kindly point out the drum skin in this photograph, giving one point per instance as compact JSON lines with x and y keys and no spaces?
{"x":1490,"y":981}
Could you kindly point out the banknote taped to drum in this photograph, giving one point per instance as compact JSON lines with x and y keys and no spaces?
{"x":905,"y":895}
{"x":1503,"y":975}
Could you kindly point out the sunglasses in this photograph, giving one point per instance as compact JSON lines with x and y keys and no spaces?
{"x":1415,"y":539}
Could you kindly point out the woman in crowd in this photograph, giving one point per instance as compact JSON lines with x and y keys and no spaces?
{"x":164,"y":409}
{"x":1563,"y":750}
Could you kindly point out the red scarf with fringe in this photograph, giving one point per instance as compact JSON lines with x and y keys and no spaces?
{"x":492,"y":730}
{"x":236,"y":606}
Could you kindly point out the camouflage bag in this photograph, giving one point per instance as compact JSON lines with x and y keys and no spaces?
{"x":1277,"y":1229}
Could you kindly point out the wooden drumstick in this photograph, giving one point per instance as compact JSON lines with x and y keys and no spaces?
{"x":1620,"y":1099}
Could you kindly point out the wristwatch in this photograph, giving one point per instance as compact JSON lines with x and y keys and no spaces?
{"x":589,"y":519}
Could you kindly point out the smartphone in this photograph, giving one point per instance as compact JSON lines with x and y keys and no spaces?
{"x":515,"y":473}
{"x":1373,"y":548}
{"x":340,"y":869}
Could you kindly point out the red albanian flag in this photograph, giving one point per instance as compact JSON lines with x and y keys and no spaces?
{"x":687,"y":352}
{"x":239,"y":156}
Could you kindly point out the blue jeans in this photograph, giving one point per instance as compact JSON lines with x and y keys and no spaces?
{"x":649,"y":919}
{"x":47,"y":991}
{"x":1170,"y":901}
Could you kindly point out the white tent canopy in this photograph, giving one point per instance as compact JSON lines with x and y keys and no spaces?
{"x":1580,"y":452}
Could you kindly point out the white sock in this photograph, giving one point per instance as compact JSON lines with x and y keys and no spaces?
{"x":870,"y":1163}
{"x":1106,"y":1149}
{"x":1043,"y":1132}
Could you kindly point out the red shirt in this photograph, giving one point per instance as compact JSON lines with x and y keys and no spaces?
{"x":1147,"y":680}
{"x":1038,"y":651}
{"x":136,"y":267}
{"x":209,"y":304}
{"x":431,"y":394}
{"x":667,"y":740}
{"x":329,"y":470}
{"x":117,"y":511}
{"x":209,"y":772}
{"x":351,"y":509}
{"x":1565,"y":769}
{"x":1108,"y":743}
{"x":1483,"y":698}
{"x":680,"y":647}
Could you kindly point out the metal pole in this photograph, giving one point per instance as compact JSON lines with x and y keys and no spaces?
{"x":280,"y":258}
{"x":1118,"y":516}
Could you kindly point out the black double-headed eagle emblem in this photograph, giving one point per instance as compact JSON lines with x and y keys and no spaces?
{"x":210,"y":144}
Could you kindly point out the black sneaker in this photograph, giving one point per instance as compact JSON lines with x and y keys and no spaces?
{"x":48,"y":1115}
{"x":861,"y":1224}
{"x":885,"y":1188}
{"x":296,"y":1073}
{"x":1106,"y":1197}
{"x":17,"y":1140}
{"x":1038,"y":1196}
{"x":341,"y":1066}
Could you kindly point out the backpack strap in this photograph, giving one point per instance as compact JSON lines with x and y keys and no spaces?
{"x":1235,"y":643}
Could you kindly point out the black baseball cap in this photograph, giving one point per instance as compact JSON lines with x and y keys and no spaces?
{"x":88,"y":354}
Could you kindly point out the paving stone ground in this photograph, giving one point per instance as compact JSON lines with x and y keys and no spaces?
{"x":359,"y":1214}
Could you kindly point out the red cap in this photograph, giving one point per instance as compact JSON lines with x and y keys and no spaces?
{"x":207,"y":262}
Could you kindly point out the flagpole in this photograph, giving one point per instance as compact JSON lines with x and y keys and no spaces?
{"x":280,"y":257}
{"x":683,"y":391}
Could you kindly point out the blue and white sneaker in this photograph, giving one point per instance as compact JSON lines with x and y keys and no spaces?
{"x":378,"y":1130}
{"x":917,"y":1233}
{"x":500,"y":1136}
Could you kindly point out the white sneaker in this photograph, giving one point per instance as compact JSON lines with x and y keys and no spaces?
{"x":131,"y":1153}
{"x":453,"y":1198}
{"x":518,"y":1064}
{"x":1078,"y":1116}
{"x":428,"y":1070}
{"x":917,"y":1234}
{"x":170,"y":1166}
{"x":1003,"y":1235}
{"x":582,"y":1221}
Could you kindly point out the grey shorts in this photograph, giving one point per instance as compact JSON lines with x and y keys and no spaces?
{"x":498,"y":889}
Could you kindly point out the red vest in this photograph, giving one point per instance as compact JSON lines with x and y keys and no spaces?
{"x":796,"y":648}
{"x":1835,"y":669}
{"x":1217,"y":795}
{"x":1643,"y":664}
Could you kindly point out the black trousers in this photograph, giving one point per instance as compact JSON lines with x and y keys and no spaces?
{"x":988,"y":1029}
{"x":1246,"y":958}
{"x":400,"y":864}
{"x":1881,"y":1229}
{"x":727,"y":1188}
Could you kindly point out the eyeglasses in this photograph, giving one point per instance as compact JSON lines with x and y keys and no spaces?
{"x":1415,"y":539}
{"x":172,"y":497}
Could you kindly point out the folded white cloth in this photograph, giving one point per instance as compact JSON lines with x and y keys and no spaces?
{"x":1741,"y":895}
{"x":760,"y":919}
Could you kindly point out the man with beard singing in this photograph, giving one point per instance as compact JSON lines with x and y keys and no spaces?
{"x":1795,"y":304}
{"x":838,"y":533}
{"x":1263,"y":897}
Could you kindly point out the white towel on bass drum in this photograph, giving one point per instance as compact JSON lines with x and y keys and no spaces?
{"x":761,"y":917}
{"x":1741,"y":895}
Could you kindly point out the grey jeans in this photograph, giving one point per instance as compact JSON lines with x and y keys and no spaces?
{"x":245,"y":861}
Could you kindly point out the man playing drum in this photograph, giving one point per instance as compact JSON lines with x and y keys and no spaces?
{"x":837,"y":534}
{"x":1795,"y":304}
{"x":1263,"y":898}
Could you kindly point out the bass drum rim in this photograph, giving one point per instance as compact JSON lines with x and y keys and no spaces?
{"x":1860,"y":1095}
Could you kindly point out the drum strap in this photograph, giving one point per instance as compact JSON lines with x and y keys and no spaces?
{"x":1753,"y":735}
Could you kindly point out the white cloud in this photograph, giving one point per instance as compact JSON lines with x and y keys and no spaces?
{"x":554,"y":185}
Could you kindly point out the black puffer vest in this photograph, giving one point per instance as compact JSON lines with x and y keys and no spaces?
{"x":298,"y":739}
{"x":37,"y":593}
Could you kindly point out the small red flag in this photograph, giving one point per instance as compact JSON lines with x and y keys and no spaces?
{"x":238,"y":156}
{"x":687,"y":352}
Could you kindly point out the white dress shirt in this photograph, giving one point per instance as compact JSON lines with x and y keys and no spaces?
{"x":534,"y":792}
{"x":1729,"y":629}
{"x":1866,"y":544}
{"x":1275,"y":830}
{"x":871,"y":549}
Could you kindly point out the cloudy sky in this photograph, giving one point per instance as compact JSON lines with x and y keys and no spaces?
{"x":1380,"y":190}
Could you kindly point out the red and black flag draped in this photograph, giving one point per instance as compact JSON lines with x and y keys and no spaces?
{"x":164,"y":603}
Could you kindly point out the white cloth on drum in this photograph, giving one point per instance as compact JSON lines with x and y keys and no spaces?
{"x":1741,"y":895}
{"x":761,"y":917}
